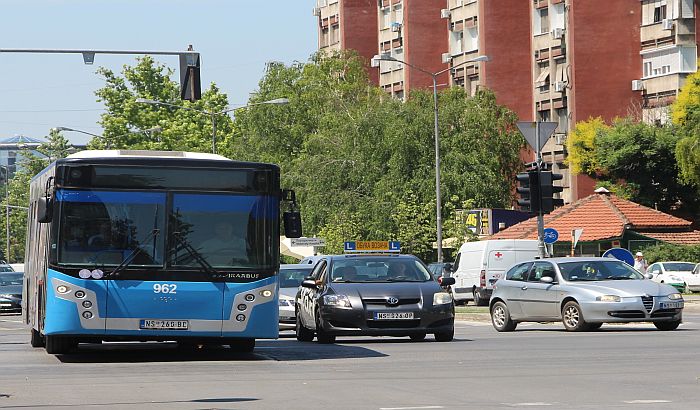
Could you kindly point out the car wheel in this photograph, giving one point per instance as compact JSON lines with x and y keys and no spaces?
{"x":572,"y":317}
{"x":321,"y":335}
{"x":445,"y":336}
{"x":418,"y":337}
{"x":303,"y":334}
{"x":243,"y":345}
{"x":500,"y":318}
{"x":667,"y":325}
{"x":60,"y":344}
{"x":36,"y":340}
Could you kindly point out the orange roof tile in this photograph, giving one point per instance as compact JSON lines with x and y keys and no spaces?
{"x":602,"y":216}
{"x":680,"y":238}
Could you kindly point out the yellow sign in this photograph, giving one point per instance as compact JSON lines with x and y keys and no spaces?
{"x":372,"y":245}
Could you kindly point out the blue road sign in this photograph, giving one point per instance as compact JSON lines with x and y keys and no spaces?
{"x":621,"y":254}
{"x":550,"y":235}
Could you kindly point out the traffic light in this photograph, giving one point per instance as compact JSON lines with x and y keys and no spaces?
{"x":529,"y":191}
{"x":548,"y":189}
{"x":190,"y":82}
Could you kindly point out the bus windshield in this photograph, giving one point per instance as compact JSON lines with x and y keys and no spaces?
{"x":225,"y":230}
{"x":104,"y":228}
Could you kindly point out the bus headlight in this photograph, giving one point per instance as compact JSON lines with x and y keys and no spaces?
{"x":266,"y":293}
{"x":62,"y":289}
{"x":87,"y":315}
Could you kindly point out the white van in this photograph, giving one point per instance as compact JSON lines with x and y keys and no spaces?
{"x":480,"y":264}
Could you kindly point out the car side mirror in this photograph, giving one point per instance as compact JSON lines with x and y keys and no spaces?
{"x":547,"y":279}
{"x":649,"y":276}
{"x":447,"y":268}
{"x":309,"y":283}
{"x":444,"y":282}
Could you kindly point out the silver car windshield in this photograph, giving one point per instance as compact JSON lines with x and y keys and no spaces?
{"x":597,"y":271}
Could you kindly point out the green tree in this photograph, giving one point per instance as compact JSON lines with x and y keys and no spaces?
{"x":581,"y":146}
{"x":671,"y":252}
{"x":686,"y":116}
{"x":183,"y":129}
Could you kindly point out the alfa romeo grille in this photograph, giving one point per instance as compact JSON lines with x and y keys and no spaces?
{"x":648,"y":302}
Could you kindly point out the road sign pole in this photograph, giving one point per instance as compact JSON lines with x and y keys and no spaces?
{"x":540,"y":215}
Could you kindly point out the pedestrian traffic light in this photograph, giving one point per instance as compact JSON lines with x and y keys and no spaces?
{"x":548,"y":189}
{"x":529,"y":191}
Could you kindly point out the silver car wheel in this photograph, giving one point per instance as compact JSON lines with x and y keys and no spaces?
{"x":571,"y":316}
{"x":499,"y":316}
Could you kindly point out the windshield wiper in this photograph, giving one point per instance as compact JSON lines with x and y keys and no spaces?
{"x":132,"y":256}
{"x":196,"y":255}
{"x":619,"y":278}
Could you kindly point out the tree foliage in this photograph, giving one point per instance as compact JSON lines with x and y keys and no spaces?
{"x":581,"y":146}
{"x":686,"y":116}
{"x":672,"y":252}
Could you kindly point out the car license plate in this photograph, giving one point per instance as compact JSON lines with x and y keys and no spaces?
{"x":671,"y":305}
{"x":393,"y":315}
{"x":164,"y":324}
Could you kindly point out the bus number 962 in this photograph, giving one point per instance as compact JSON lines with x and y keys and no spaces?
{"x":164,"y":288}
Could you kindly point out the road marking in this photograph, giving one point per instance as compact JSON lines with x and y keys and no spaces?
{"x":646,"y":401}
{"x":537,"y":403}
{"x":411,"y":408}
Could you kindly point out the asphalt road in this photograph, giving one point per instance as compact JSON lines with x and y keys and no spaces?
{"x":538,"y":366}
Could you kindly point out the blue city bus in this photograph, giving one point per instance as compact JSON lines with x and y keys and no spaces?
{"x":154,"y":246}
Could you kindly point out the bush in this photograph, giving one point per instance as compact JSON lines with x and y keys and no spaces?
{"x":670,"y":252}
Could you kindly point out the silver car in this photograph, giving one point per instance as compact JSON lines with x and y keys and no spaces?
{"x":583,"y":293}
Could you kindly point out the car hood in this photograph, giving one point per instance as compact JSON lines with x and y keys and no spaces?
{"x":401,"y":290}
{"x":11,"y":290}
{"x":627,"y":288}
{"x":290,"y":293}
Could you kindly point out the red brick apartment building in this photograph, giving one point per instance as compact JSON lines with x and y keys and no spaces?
{"x":550,"y":60}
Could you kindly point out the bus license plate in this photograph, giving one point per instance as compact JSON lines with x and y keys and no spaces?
{"x":393,"y":315}
{"x":164,"y":324}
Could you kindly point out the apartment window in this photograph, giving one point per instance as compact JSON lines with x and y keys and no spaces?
{"x":398,"y":54}
{"x":680,"y":59}
{"x":541,"y":21}
{"x":456,"y":42}
{"x":386,"y":17}
{"x":647,"y":69}
{"x":558,"y":16}
{"x":324,"y":37}
{"x":470,"y":39}
{"x":398,"y":13}
{"x":544,"y":115}
{"x":563,"y":120}
{"x":660,"y":12}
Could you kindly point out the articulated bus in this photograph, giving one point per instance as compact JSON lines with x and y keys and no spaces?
{"x":154,"y":246}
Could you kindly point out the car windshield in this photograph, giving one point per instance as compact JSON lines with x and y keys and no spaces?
{"x":379,"y":269}
{"x":678,"y":266}
{"x":292,"y":277}
{"x":10,"y":278}
{"x":6,"y":268}
{"x":598,"y":270}
{"x":106,"y":227}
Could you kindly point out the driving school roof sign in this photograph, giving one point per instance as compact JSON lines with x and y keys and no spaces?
{"x":372,"y":246}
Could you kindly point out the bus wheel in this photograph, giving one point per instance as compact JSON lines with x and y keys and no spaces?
{"x":243,"y":345}
{"x":36,"y":340}
{"x":60,"y":344}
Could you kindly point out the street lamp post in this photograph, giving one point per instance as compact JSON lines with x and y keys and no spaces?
{"x":7,"y":213}
{"x":385,"y":57}
{"x":212,"y":114}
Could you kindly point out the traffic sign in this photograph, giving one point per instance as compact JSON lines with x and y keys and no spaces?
{"x":621,"y":254}
{"x":550,"y":235}
{"x":372,"y":246}
{"x":308,"y":242}
{"x":529,"y":131}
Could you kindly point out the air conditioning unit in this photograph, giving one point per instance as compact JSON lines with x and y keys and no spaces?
{"x":395,"y":26}
{"x":316,"y":12}
{"x":637,"y":85}
{"x":560,"y":139}
{"x":667,"y":24}
{"x":560,"y":86}
{"x":445,"y":13}
{"x":557,"y":33}
{"x":446,"y":58}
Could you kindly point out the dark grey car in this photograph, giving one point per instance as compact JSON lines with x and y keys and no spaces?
{"x":373,"y":295}
{"x":11,"y":291}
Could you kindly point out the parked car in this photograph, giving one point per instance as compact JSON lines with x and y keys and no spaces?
{"x":583,"y":293}
{"x":677,"y":274}
{"x":480,"y":264}
{"x":373,"y":295}
{"x":311,"y":260}
{"x":290,"y":278}
{"x":11,"y":291}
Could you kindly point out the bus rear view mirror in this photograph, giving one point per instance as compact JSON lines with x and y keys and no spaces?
{"x":44,"y":210}
{"x":292,"y":224}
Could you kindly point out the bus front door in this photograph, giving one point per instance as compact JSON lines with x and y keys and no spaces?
{"x":156,"y":308}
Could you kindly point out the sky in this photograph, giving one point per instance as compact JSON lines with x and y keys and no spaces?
{"x":236,"y":38}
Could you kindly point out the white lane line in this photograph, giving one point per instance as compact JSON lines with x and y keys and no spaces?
{"x":411,"y":408}
{"x":533,"y":404}
{"x":646,"y":401}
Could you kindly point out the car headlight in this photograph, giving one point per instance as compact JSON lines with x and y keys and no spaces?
{"x":675,"y":296}
{"x":608,"y":298}
{"x":341,"y":301}
{"x":441,"y":298}
{"x":285,"y":302}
